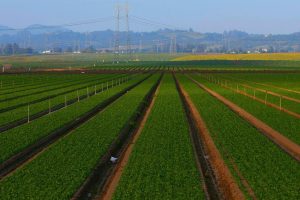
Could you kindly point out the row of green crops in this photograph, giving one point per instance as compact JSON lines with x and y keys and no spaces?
{"x":17,"y":139}
{"x":279,"y":83}
{"x":22,"y":112}
{"x":61,"y":169}
{"x":14,"y":81}
{"x":258,"y":93}
{"x":54,"y":91}
{"x":286,"y":124}
{"x":162,"y":165}
{"x":34,"y":81}
{"x":270,"y":172}
{"x":46,"y":87}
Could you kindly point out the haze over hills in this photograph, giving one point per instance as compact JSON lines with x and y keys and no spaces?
{"x":41,"y":37}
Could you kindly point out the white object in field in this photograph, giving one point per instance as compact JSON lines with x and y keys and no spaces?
{"x":113,"y":159}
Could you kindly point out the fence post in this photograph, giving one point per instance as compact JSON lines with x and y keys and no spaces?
{"x":77,"y":96}
{"x":254,"y":94}
{"x":28,"y":114}
{"x":280,"y":102}
{"x":49,"y":105}
{"x":266,"y":97}
{"x":95,"y":89}
{"x":65,"y":100}
{"x":101,"y":87}
{"x":87,"y":92}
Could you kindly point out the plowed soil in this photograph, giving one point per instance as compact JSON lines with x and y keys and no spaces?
{"x":225,"y":180}
{"x":287,"y":145}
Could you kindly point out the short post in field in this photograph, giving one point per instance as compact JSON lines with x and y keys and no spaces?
{"x":49,"y":103}
{"x":77,"y":96}
{"x":65,"y":100}
{"x":280,"y":102}
{"x":95,"y":89}
{"x":28,"y":114}
{"x":266,"y":97}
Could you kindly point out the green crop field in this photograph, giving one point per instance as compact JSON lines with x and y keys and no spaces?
{"x":206,"y":127}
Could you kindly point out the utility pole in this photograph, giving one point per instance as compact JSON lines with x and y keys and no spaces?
{"x":141,"y":46}
{"x":173,"y":45}
{"x":117,"y":35}
{"x":128,"y":44}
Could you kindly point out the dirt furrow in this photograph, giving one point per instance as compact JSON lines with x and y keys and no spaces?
{"x":269,"y":85}
{"x":284,"y":143}
{"x":280,"y":108}
{"x":95,"y":184}
{"x":113,"y":181}
{"x":14,"y":124}
{"x":226,"y":183}
{"x":20,"y":159}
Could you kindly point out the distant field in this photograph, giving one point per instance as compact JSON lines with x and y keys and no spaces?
{"x":78,"y":60}
{"x":141,"y":61}
{"x":273,"y":56}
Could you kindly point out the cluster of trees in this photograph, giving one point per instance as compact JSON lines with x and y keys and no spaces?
{"x":14,"y":49}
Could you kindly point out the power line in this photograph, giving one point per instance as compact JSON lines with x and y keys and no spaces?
{"x":154,"y":23}
{"x":93,"y":21}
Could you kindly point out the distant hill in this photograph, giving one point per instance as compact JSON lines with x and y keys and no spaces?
{"x":41,"y":29}
{"x":6,"y":30}
{"x":42,"y":37}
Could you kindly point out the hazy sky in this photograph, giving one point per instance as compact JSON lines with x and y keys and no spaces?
{"x":254,"y":16}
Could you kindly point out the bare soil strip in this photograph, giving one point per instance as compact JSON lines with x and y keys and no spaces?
{"x":243,"y":180}
{"x":55,"y":108}
{"x":95,"y":185}
{"x":22,"y":158}
{"x":269,"y":85}
{"x":284,"y":143}
{"x":225,"y":180}
{"x":6,"y":109}
{"x":114,"y":179}
{"x":281,"y":88}
{"x":272,"y":93}
{"x":263,"y":90}
{"x":263,"y":101}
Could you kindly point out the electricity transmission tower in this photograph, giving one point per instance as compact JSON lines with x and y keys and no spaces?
{"x":120,"y":11}
{"x":128,"y":44}
{"x":173,"y":45}
{"x":117,"y":35}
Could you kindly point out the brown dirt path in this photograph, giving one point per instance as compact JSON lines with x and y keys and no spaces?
{"x":243,"y":180}
{"x":273,"y":93}
{"x":114,"y":179}
{"x":263,"y":101}
{"x":270,"y":92}
{"x":226,"y":182}
{"x":287,"y":145}
{"x":269,"y":85}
